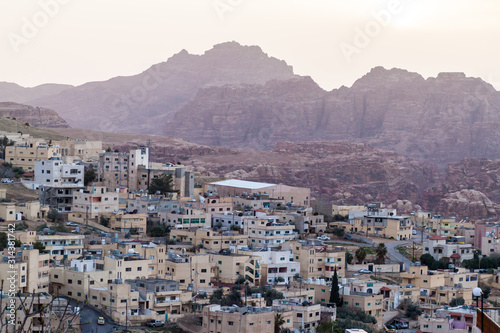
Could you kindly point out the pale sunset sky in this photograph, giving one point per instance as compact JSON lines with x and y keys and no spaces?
{"x":333,"y":41}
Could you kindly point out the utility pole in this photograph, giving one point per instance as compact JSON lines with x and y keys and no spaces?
{"x":126,"y":315}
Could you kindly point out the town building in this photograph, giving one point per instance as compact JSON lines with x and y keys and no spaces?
{"x":232,"y":187}
{"x":439,"y":247}
{"x":24,"y":155}
{"x":317,"y":261}
{"x":94,"y":200}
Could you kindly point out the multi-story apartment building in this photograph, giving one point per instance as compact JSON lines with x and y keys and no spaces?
{"x":85,"y":150}
{"x":262,"y":233}
{"x":371,"y":304}
{"x":94,"y":200}
{"x":305,"y":221}
{"x":194,"y":270}
{"x":182,"y":180}
{"x":276,"y":266}
{"x":229,"y":268}
{"x":209,"y":239}
{"x":55,"y":173}
{"x":439,"y":247}
{"x":32,"y":268}
{"x":486,"y":237}
{"x":213,"y":204}
{"x":24,"y":155}
{"x":306,"y":317}
{"x":135,"y":171}
{"x":186,"y":218}
{"x":127,"y":223}
{"x":162,"y":297}
{"x":62,"y":246}
{"x":218,"y":319}
{"x":317,"y":261}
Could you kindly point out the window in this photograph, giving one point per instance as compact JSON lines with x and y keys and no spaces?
{"x":268,"y":322}
{"x":230,"y":323}
{"x":439,"y":326}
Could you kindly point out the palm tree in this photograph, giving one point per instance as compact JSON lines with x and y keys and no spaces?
{"x":278,"y":322}
{"x":360,"y":255}
{"x":381,"y":252}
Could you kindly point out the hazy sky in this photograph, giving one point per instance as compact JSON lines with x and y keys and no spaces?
{"x":333,"y":41}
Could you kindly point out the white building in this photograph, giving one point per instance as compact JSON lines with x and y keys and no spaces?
{"x":277,"y":267}
{"x":55,"y":173}
{"x":438,"y":247}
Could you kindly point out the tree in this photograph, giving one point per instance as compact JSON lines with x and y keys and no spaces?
{"x":339,"y":232}
{"x":457,"y":301}
{"x":39,"y":246}
{"x":89,"y":175}
{"x":4,"y":241}
{"x":216,"y":297}
{"x":360,"y":255}
{"x":54,"y":215}
{"x":162,"y":185}
{"x":380,"y":253}
{"x":334,"y":291}
{"x":104,"y":221}
{"x":278,"y":322}
{"x":427,"y":260}
{"x":348,"y":257}
{"x":413,"y":311}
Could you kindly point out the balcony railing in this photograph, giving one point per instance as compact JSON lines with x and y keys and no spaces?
{"x":490,"y":326}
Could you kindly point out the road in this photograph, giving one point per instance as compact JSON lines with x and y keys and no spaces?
{"x":88,"y":320}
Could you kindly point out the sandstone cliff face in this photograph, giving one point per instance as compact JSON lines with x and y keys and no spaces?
{"x":439,"y":120}
{"x":143,"y":103}
{"x":38,"y":117}
{"x":471,"y":188}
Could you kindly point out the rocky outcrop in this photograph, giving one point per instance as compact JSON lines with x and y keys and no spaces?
{"x":439,"y":120}
{"x":471,"y":188}
{"x":38,"y":117}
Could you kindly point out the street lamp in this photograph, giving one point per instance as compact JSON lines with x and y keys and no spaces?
{"x":478,"y":292}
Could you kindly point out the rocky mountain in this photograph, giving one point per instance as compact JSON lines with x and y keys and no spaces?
{"x":144,"y":102}
{"x":439,"y":120}
{"x":470,"y":188}
{"x":38,"y":117}
{"x":11,"y":92}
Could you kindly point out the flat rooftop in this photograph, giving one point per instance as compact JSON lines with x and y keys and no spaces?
{"x":242,"y":184}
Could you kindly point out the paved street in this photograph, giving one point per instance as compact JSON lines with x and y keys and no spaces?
{"x":88,"y":320}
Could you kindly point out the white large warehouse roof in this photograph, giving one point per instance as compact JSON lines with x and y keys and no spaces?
{"x":242,"y":184}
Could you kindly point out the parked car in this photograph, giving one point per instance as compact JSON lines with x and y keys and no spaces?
{"x":365,"y":271}
{"x":347,"y":237}
{"x":71,"y":224}
{"x":323,"y":237}
{"x":155,"y":323}
{"x":101,"y":321}
{"x":414,"y":232}
{"x":7,"y":180}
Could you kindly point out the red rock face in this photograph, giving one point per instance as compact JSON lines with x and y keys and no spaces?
{"x":439,"y":120}
{"x":40,"y":117}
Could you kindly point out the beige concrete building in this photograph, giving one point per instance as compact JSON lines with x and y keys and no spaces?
{"x":262,"y":233}
{"x":24,"y":155}
{"x":85,"y":150}
{"x":317,"y":261}
{"x":371,"y":304}
{"x":91,"y":202}
{"x":299,"y":196}
{"x":219,"y":319}
{"x":194,"y":269}
{"x":186,"y":218}
{"x":123,"y":222}
{"x":230,"y":268}
{"x":305,"y":221}
{"x":305,"y":317}
{"x":209,"y":239}
{"x":32,"y":268}
{"x":62,"y":246}
{"x":213,"y":204}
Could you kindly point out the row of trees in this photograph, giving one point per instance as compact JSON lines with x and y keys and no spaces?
{"x":380,"y":253}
